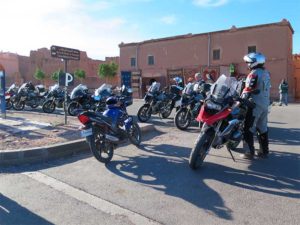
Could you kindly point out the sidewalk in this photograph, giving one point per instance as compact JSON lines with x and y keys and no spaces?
{"x":26,"y":140}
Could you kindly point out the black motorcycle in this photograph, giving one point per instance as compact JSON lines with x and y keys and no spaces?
{"x":192,"y":99}
{"x":55,"y":98}
{"x":30,"y":96}
{"x":104,"y":131}
{"x":156,"y":102}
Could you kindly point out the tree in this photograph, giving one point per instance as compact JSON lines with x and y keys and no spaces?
{"x":39,"y":74}
{"x":107,"y":70}
{"x":80,"y":74}
{"x":55,"y":75}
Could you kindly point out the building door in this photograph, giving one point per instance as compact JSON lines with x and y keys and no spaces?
{"x":126,"y":78}
{"x":136,"y":84}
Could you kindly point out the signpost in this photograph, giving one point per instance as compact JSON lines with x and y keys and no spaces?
{"x":2,"y":91}
{"x":65,"y":79}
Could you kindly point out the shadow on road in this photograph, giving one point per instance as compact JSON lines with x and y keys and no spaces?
{"x":166,"y":169}
{"x":13,"y":213}
{"x":284,"y":136}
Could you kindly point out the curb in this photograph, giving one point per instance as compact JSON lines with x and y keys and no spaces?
{"x":43,"y":154}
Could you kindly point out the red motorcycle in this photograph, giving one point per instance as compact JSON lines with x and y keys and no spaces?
{"x":223,"y":115}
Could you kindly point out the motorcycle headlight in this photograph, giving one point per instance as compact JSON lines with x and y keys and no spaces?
{"x":212,"y":105}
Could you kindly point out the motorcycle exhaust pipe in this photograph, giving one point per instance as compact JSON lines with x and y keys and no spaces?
{"x":111,"y":138}
{"x":229,"y":128}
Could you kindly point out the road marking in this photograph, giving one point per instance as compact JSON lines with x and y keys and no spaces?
{"x":94,"y":201}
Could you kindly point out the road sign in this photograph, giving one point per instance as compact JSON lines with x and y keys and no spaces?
{"x":65,"y":53}
{"x":66,"y":79}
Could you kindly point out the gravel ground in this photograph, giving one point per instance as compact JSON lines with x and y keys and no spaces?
{"x":14,"y":138}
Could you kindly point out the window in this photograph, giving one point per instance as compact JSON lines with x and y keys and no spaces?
{"x":150,"y":60}
{"x":216,"y":54}
{"x":251,"y":49}
{"x":132,"y":62}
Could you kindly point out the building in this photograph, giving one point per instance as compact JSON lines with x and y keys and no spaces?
{"x":21,"y":69}
{"x":296,"y":72}
{"x":212,"y":52}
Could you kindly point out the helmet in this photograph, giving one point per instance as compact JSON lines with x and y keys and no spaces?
{"x":198,"y":76}
{"x":255,"y":60}
{"x":177,"y":80}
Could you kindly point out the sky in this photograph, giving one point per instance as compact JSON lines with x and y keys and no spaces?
{"x":99,"y":26}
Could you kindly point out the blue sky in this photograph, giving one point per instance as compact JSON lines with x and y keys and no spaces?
{"x":98,"y":26}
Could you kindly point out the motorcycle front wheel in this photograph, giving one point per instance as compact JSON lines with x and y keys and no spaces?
{"x":144,"y":113}
{"x":18,"y":105}
{"x":166,"y":110}
{"x":49,"y":106}
{"x":134,"y":134}
{"x":72,"y":108}
{"x":8,"y":104}
{"x":102,"y":150}
{"x":200,"y":150}
{"x":183,"y":119}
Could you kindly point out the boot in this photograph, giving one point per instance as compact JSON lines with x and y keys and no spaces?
{"x":249,"y":144}
{"x":263,"y":141}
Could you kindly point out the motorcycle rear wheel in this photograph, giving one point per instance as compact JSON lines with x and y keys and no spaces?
{"x":200,"y":150}
{"x":102,"y":150}
{"x":182,"y":120}
{"x":18,"y":105}
{"x":49,"y":106}
{"x":144,"y":113}
{"x":135,"y":134}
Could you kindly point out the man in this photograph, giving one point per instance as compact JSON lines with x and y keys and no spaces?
{"x":283,"y":91}
{"x":257,"y":87}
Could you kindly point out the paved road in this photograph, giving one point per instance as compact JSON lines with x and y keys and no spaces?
{"x":154,"y":185}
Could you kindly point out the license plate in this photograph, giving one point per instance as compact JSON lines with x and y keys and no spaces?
{"x":87,"y":132}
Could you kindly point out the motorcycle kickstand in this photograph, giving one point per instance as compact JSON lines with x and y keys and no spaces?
{"x":231,"y":154}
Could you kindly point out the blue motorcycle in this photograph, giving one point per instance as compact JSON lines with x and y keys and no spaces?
{"x":104,"y":131}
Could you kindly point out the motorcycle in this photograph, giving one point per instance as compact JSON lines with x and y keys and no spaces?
{"x":191,"y":102}
{"x":104,"y":131}
{"x":55,"y":98}
{"x":29,"y":96}
{"x":156,"y":102}
{"x":9,"y":96}
{"x":223,"y":114}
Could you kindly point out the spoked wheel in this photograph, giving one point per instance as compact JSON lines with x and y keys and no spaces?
{"x":8,"y":104}
{"x":49,"y":106}
{"x":102,"y":150}
{"x":166,"y":110}
{"x":144,"y":113}
{"x":73,"y":106}
{"x":134,"y":134}
{"x":19,"y":105}
{"x":183,"y":119}
{"x":200,"y":150}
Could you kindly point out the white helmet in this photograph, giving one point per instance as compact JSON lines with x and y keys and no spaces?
{"x":198,"y":76}
{"x":254,"y":59}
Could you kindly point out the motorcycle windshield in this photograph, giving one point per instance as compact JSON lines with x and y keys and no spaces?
{"x":223,"y":88}
{"x":188,"y":89}
{"x":11,"y":87}
{"x":104,"y":89}
{"x":78,"y":91}
{"x":53,"y":88}
{"x":23,"y":86}
{"x":154,"y":87}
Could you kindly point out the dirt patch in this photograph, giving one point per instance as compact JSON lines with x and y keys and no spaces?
{"x":14,"y":136}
